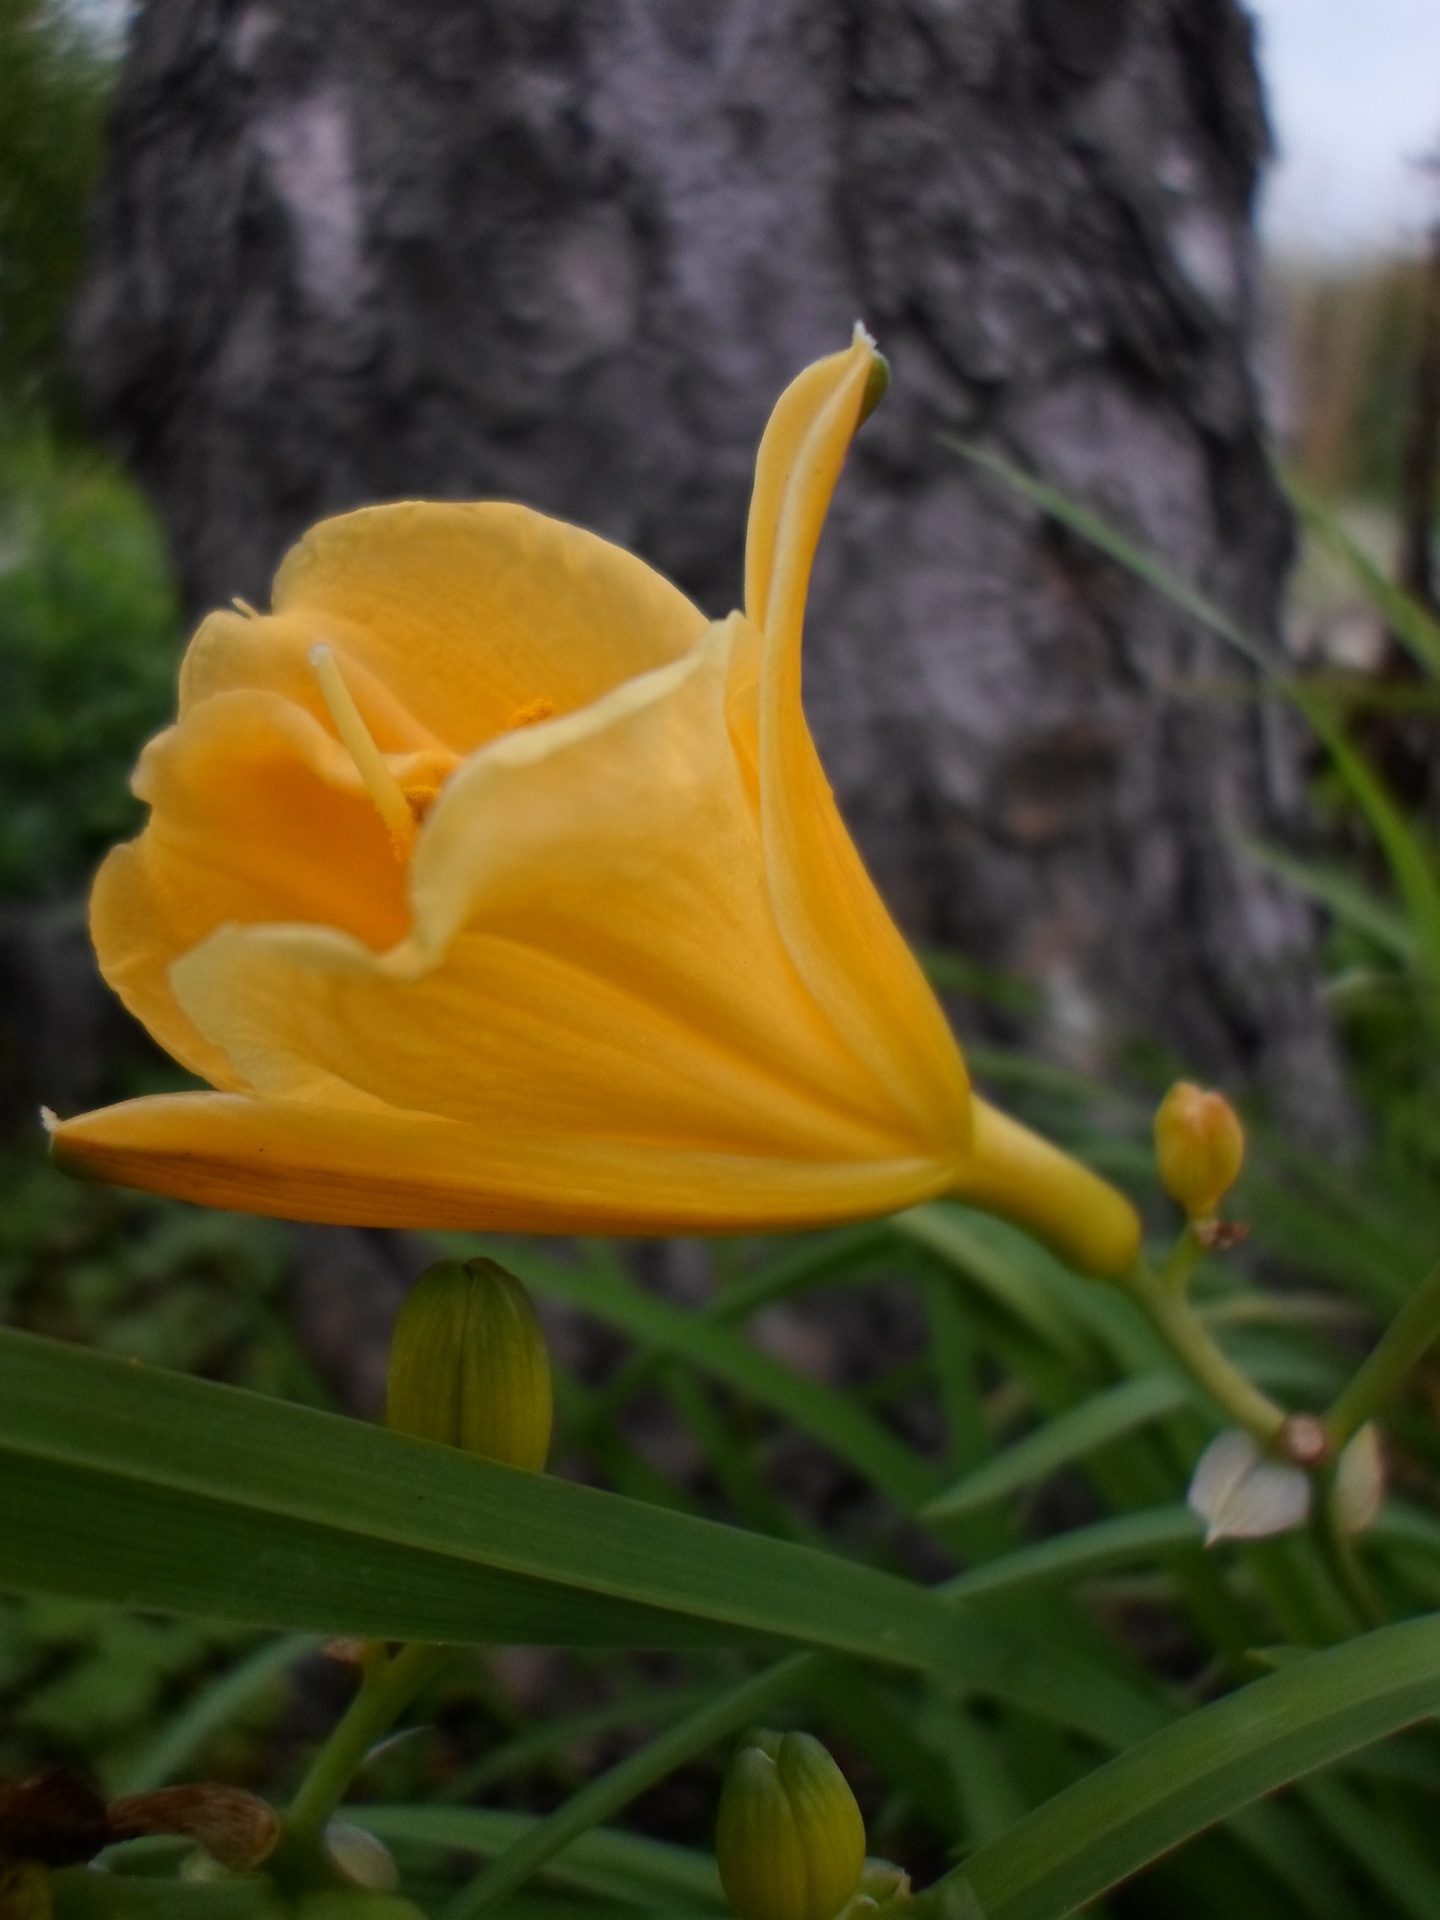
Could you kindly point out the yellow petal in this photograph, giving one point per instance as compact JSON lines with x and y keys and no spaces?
{"x":297,"y":1161}
{"x":270,"y":653}
{"x":449,"y":621}
{"x":593,"y":954}
{"x":257,"y":814}
{"x":837,"y":929}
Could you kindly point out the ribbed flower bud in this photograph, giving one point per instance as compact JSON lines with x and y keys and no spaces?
{"x":468,"y":1365}
{"x":790,"y":1842}
{"x":1200,"y":1146}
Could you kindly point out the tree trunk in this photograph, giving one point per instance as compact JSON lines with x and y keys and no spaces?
{"x":568,"y":252}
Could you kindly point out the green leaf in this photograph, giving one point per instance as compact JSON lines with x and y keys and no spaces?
{"x":543,"y":1740}
{"x":1405,"y":852}
{"x":953,"y":1235}
{"x":753,"y":1700}
{"x":619,"y":1866}
{"x":819,"y":1410}
{"x":1404,"y":615}
{"x":1105,"y":1827}
{"x":1070,"y":1436}
{"x":214,"y":1707}
{"x":1126,"y":1539}
{"x":1346,"y":898}
{"x":1387,"y":1856}
{"x":127,"y":1484}
{"x":1144,"y":565}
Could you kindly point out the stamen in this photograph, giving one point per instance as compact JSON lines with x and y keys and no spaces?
{"x":380,"y":783}
{"x":244,"y":606}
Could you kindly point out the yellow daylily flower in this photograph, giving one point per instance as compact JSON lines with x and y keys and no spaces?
{"x":492,"y":886}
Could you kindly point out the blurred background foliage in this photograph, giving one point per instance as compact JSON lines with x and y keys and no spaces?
{"x":88,"y":642}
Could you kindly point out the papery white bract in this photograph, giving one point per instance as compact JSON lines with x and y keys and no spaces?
{"x":1242,"y":1494}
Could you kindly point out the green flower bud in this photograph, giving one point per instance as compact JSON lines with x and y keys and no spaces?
{"x":790,"y":1842}
{"x":468,"y":1365}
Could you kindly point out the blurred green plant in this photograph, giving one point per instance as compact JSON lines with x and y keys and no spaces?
{"x":1348,"y":335}
{"x":54,"y":83}
{"x":88,"y":628}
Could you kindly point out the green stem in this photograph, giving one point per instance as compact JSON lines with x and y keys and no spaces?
{"x":1180,"y":1263}
{"x":1403,"y":1342}
{"x":1191,"y":1343}
{"x":389,"y":1685}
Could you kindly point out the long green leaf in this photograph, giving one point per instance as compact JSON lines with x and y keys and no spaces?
{"x":1126,"y":1539}
{"x":1070,"y":1436}
{"x":1105,"y":1827}
{"x":953,"y":1235}
{"x":600,"y":1798}
{"x":1387,"y":1856}
{"x":1144,"y":565}
{"x":829,"y":1416}
{"x":211,"y":1709}
{"x":1346,"y":898}
{"x":1407,"y":856}
{"x":133,"y":1485}
{"x":623,"y":1866}
{"x":1404,"y":615}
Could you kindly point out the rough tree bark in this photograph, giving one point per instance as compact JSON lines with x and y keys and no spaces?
{"x":568,"y":251}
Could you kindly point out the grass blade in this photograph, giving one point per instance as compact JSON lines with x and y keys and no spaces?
{"x":596,"y":1802}
{"x":622,"y":1866}
{"x":214,"y":1707}
{"x":1070,"y":1436}
{"x":1144,"y":565}
{"x":1105,"y":1827}
{"x":1404,"y":615}
{"x":1345,"y":897}
{"x":858,"y":1439}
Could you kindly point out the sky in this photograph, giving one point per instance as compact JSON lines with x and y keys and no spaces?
{"x":1354,"y":96}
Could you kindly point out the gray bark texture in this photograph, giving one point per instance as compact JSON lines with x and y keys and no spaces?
{"x":569,"y":251}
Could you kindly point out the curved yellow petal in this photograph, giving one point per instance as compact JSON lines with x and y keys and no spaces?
{"x":837,"y":929}
{"x":270,"y":653}
{"x":1015,"y":1173}
{"x":257,"y":814}
{"x":299,"y":1161}
{"x":593,"y":954}
{"x":476,"y":615}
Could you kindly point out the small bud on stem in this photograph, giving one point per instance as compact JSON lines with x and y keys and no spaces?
{"x":1200,"y":1147}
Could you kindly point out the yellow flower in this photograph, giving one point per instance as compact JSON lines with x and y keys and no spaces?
{"x":491,"y":885}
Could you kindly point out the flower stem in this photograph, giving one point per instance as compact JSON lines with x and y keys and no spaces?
{"x":1163,"y":1298}
{"x":1403,"y":1342}
{"x":390,"y":1683}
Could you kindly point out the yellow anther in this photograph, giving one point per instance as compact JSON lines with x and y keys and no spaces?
{"x":380,"y":783}
{"x":244,"y":606}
